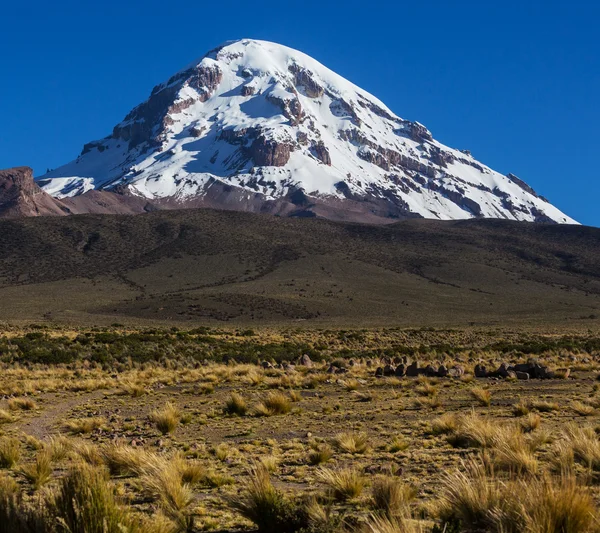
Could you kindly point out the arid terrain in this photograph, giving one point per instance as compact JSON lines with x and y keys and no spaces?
{"x":286,"y":429}
{"x":197,"y":267}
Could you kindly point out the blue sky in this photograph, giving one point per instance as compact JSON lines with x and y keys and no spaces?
{"x":516,"y":82}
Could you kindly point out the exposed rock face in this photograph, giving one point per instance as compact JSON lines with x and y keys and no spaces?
{"x":303,"y":79}
{"x":321,"y":152}
{"x":269,"y":152}
{"x":252,"y":123}
{"x":21,"y":196}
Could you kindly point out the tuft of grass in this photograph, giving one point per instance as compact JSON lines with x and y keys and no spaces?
{"x":21,"y":404}
{"x":521,"y":409}
{"x":343,"y":485}
{"x":10,"y":452}
{"x":352,"y":442}
{"x":404,"y":524}
{"x":474,"y":432}
{"x":40,"y":471}
{"x":582,"y":409}
{"x":320,"y":454}
{"x":584,"y":444}
{"x":544,"y":406}
{"x":483,"y":396}
{"x":445,"y":424}
{"x":123,"y":460}
{"x":59,"y":447}
{"x":530,"y":422}
{"x":164,"y":483}
{"x":5,"y":417}
{"x":514,"y":454}
{"x":236,"y":405}
{"x":275,"y":403}
{"x":391,"y":497}
{"x":350,"y":385}
{"x":481,"y":502}
{"x":79,"y":426}
{"x":166,"y":419}
{"x":398,"y":444}
{"x":268,"y":508}
{"x":132,"y":388}
{"x":85,"y":503}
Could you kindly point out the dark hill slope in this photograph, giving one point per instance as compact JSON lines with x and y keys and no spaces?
{"x":204,"y":265}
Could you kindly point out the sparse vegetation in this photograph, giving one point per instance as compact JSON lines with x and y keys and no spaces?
{"x":348,"y":453}
{"x":167,"y":418}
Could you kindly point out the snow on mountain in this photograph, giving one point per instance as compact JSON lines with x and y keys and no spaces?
{"x":258,"y":126}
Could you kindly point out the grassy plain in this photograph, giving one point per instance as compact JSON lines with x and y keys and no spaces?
{"x":116,"y":429}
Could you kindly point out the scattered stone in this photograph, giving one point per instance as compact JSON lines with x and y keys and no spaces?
{"x":442,"y":371}
{"x":456,"y":372}
{"x":522,"y":375}
{"x":305,"y":361}
{"x":379,"y":372}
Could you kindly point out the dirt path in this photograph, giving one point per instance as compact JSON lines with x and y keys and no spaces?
{"x":54,"y":410}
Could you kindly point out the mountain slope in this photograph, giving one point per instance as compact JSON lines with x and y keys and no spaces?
{"x":260,"y":127}
{"x":198,"y":266}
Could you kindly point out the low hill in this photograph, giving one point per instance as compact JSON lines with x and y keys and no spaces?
{"x":205,"y":266}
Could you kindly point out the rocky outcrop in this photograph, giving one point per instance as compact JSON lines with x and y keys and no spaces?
{"x":205,"y":80}
{"x":321,"y":152}
{"x":290,"y":107}
{"x":304,"y":80}
{"x":21,"y":196}
{"x":269,"y":152}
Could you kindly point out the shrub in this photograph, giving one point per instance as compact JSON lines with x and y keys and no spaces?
{"x":166,"y":419}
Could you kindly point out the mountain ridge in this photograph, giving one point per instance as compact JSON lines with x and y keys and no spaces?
{"x":260,"y":127}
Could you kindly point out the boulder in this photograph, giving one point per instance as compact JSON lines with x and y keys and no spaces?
{"x":400,"y":371}
{"x":389,"y":370}
{"x":305,"y":361}
{"x":430,"y":371}
{"x":442,"y":371}
{"x":502,"y":371}
{"x":521,"y":375}
{"x":480,"y":371}
{"x":379,"y":372}
{"x":413,"y":369}
{"x":456,"y":371}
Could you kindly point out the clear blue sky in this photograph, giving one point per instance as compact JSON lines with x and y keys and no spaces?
{"x":516,"y":82}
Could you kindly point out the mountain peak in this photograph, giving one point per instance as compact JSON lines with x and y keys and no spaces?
{"x":258,"y":126}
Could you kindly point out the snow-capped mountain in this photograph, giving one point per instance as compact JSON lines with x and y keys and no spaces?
{"x":258,"y":126}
